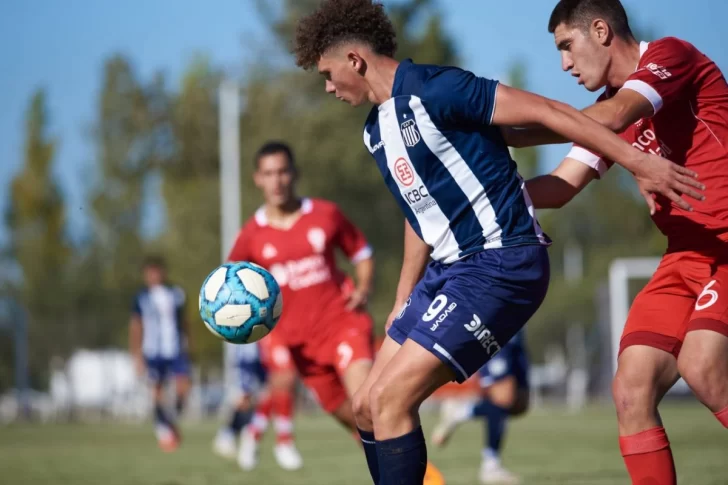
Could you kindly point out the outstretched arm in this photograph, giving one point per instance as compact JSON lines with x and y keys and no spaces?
{"x":655,"y":174}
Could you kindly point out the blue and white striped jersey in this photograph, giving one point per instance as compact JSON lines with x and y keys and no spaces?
{"x":447,"y":166}
{"x":161,"y":310}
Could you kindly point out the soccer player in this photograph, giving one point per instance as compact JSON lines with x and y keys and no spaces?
{"x":296,"y":239}
{"x":434,"y":134}
{"x":504,"y":380}
{"x":668,"y":98}
{"x":267,"y":381}
{"x":158,"y":343}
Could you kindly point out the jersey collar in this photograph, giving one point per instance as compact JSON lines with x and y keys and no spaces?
{"x":399,"y":76}
{"x":262,"y":219}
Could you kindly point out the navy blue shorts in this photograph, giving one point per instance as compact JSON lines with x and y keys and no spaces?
{"x":160,"y":368}
{"x":465,"y":312}
{"x":512,"y":360}
{"x":251,"y":376}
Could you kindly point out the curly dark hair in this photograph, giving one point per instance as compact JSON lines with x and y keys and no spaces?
{"x":338,"y":21}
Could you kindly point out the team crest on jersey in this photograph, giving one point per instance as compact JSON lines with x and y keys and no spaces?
{"x":269,"y":251}
{"x":317,"y":239}
{"x":410,"y":134}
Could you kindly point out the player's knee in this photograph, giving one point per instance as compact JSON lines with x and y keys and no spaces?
{"x":360,"y":406}
{"x":384,"y":400}
{"x":521,"y":403}
{"x":633,"y":395}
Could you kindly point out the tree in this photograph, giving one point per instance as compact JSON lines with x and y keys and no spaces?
{"x":36,"y":222}
{"x":190,"y":190}
{"x":130,"y":141}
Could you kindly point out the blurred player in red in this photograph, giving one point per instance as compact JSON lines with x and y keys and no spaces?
{"x":668,"y":98}
{"x":325,"y":332}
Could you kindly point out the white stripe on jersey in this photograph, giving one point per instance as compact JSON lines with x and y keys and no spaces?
{"x":532,"y":212}
{"x":434,"y":224}
{"x":460,"y":172}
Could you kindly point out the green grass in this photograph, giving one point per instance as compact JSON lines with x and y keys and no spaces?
{"x":545,"y":448}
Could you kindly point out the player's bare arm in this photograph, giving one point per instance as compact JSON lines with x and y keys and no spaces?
{"x":135,"y":342}
{"x":554,"y":190}
{"x":617,"y":113}
{"x":364,"y":283}
{"x":416,"y":256}
{"x":654,"y":174}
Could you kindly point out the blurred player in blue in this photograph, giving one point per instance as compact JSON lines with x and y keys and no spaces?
{"x":158,"y":342}
{"x":505,"y":385}
{"x":435,"y":135}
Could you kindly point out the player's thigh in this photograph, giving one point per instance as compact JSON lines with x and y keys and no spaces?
{"x":703,"y":363}
{"x":410,"y":376}
{"x":710,"y":311}
{"x":327,"y":388}
{"x":278,"y":362}
{"x":503,"y":392}
{"x":644,"y":375}
{"x":181,"y":368}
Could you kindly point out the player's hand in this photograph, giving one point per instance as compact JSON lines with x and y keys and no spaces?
{"x":357,"y":300}
{"x":658,"y":175}
{"x":393,"y":315}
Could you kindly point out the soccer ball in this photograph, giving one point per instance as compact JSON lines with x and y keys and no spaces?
{"x":240,"y":302}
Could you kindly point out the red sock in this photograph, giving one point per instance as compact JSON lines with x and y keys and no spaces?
{"x":259,"y":423}
{"x":283,"y":410}
{"x":723,"y":417}
{"x":648,"y":457}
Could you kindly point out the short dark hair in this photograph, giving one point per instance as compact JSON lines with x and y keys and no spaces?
{"x":273,"y":148}
{"x":581,"y":13}
{"x":337,"y":21}
{"x":154,"y":261}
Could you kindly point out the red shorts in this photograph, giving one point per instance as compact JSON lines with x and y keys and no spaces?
{"x":689,"y":291}
{"x":321,"y":363}
{"x":274,"y":353}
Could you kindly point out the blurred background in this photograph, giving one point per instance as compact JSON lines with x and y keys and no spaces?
{"x":110,"y":150}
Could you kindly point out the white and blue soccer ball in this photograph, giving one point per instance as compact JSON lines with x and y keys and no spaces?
{"x":240,"y":302}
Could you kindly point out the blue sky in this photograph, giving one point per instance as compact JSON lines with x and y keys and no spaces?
{"x":61,"y":46}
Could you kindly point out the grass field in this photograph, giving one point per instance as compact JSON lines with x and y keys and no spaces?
{"x":545,"y":448}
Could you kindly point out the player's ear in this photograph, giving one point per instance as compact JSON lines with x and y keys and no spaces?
{"x":357,"y":62}
{"x":601,"y":31}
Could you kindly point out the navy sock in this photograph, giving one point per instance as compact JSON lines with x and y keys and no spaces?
{"x":403,"y":460}
{"x":180,"y":405}
{"x":497,"y":418}
{"x":239,"y":420}
{"x":370,"y":451}
{"x":160,"y":416}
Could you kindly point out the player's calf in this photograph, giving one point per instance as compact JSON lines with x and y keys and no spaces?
{"x":644,"y":375}
{"x":703,"y":363}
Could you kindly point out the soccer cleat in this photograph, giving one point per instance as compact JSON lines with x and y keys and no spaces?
{"x":453,"y":412}
{"x":287,"y":456}
{"x":248,"y":452}
{"x":167,"y":438}
{"x":493,"y":473}
{"x":224,"y":444}
{"x":433,"y":476}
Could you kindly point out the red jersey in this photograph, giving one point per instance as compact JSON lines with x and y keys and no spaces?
{"x":302,"y":259}
{"x":690,"y":127}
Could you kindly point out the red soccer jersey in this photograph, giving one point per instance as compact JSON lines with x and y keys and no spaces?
{"x":690,"y":127}
{"x":303,"y":261}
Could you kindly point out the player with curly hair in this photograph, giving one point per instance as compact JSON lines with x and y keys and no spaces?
{"x":435,"y":135}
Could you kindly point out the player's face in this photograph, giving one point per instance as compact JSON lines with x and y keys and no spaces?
{"x":343,"y":70}
{"x":583,"y":55}
{"x":275,"y":178}
{"x":153,"y":275}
